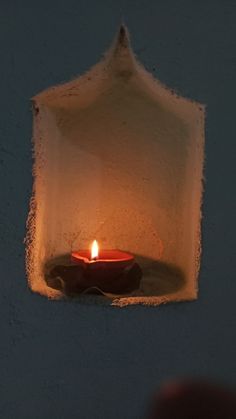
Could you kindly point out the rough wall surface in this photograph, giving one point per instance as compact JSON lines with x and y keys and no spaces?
{"x":61,"y":359}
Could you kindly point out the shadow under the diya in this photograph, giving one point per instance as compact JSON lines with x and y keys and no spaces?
{"x":144,"y":278}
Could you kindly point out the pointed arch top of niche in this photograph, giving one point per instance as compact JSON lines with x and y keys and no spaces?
{"x":118,"y":157}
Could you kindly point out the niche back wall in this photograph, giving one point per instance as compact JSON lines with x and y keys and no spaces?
{"x":61,"y":359}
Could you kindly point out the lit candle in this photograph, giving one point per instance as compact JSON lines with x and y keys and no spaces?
{"x":104,"y":262}
{"x":94,"y":250}
{"x":108,"y":270}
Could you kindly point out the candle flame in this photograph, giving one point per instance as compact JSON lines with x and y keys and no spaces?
{"x":94,"y":250}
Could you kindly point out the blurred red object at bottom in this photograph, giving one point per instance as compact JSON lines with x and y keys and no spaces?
{"x":193,"y":400}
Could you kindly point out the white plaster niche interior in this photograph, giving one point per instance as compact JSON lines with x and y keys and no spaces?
{"x":117,"y":158}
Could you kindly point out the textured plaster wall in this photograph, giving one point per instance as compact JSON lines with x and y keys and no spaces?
{"x":66,"y":360}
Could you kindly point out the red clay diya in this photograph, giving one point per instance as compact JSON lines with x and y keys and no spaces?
{"x":112,"y":271}
{"x":103,"y":265}
{"x":106,"y":271}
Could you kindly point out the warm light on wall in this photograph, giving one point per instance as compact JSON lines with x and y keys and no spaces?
{"x":120,"y":158}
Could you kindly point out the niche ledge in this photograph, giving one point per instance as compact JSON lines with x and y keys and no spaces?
{"x":119,"y":158}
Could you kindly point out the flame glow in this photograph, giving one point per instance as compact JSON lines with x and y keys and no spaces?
{"x":94,"y":250}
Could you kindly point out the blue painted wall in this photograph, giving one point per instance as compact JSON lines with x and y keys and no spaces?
{"x":65,"y":360}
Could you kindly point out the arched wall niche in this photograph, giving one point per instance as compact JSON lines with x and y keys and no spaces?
{"x":119,"y":158}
